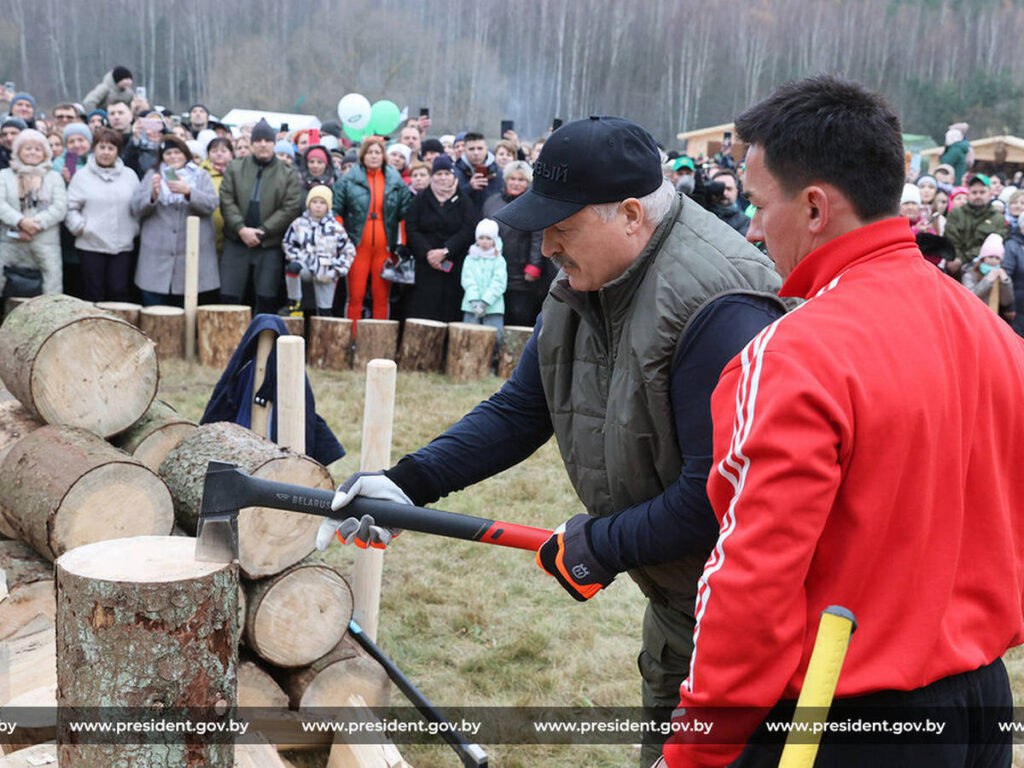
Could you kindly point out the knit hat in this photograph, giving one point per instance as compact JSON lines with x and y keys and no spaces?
{"x":201,"y":106}
{"x":318,"y":149}
{"x":170,"y":141}
{"x":487,"y":228}
{"x":22,"y":96}
{"x":119,"y":73}
{"x":947,"y":168}
{"x":284,"y":147}
{"x":924,"y":180}
{"x":953,"y":135}
{"x":431,"y":145}
{"x":460,"y":136}
{"x":262,"y":131}
{"x":331,"y":128}
{"x":351,"y":157}
{"x":401,"y":149}
{"x":13,"y":122}
{"x":81,"y":129}
{"x":323,"y":192}
{"x":911,"y":194}
{"x":993,"y":246}
{"x":101,"y":112}
{"x":957,"y":191}
{"x":442,"y":163}
{"x":30,"y":135}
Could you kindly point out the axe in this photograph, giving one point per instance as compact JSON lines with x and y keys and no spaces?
{"x":226,"y":489}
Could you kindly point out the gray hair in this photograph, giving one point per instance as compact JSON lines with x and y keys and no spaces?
{"x":519,"y":166}
{"x":656,"y":205}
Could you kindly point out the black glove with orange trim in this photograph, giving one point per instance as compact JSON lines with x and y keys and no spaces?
{"x":568,"y":556}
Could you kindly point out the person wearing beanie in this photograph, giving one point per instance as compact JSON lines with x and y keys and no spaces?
{"x":317,"y":168}
{"x":9,"y":130}
{"x":431,"y":148}
{"x":957,"y":152}
{"x":484,"y":280}
{"x":77,"y":144}
{"x":968,"y":225}
{"x":116,"y":85}
{"x":23,"y":106}
{"x":372,"y":200}
{"x":259,"y":197}
{"x":348,"y":160}
{"x":198,"y":118}
{"x":317,"y":250}
{"x":97,"y":119}
{"x":285,"y":152}
{"x":331,"y":128}
{"x":33,"y":203}
{"x":987,"y":279}
{"x":399,"y":156}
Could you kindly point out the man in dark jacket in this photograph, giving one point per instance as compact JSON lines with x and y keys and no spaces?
{"x":259,"y":197}
{"x":726,"y":205}
{"x":478,"y":174}
{"x":969,"y":225}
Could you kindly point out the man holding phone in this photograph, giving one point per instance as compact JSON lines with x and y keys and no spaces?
{"x":478,"y":175}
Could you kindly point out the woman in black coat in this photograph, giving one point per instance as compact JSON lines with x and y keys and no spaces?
{"x":439,"y":227}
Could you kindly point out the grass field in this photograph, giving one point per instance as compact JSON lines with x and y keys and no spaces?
{"x":474,"y":625}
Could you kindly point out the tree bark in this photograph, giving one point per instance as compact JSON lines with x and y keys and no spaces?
{"x":330,"y":680}
{"x":270,"y":540}
{"x":329,"y":342}
{"x":298,"y":616}
{"x":375,"y":340}
{"x":423,"y":345}
{"x":141,"y":624}
{"x":71,"y":363}
{"x":166,"y":327}
{"x":155,"y":434}
{"x":15,"y":423}
{"x":61,"y":488}
{"x":220,"y":327}
{"x":470,"y":349}
{"x":513,"y":339}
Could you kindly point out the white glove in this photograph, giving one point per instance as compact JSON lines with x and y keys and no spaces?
{"x":363,"y":532}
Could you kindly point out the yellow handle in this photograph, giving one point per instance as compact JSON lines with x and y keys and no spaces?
{"x":834,"y":630}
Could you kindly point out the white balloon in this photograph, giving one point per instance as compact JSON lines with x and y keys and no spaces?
{"x":354,"y":110}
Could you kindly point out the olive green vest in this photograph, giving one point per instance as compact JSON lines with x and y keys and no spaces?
{"x":606,"y":359}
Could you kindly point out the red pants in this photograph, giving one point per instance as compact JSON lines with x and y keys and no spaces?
{"x":368,"y":263}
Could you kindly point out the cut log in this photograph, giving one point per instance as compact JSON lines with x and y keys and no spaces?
{"x":297,"y":616}
{"x":62,"y":487}
{"x":126,"y":310}
{"x":71,"y":363}
{"x":28,"y":661}
{"x":375,"y":340}
{"x":166,"y":327}
{"x":422,"y":345}
{"x":37,"y":756}
{"x":270,"y":540}
{"x":380,"y":755}
{"x":330,"y":680}
{"x":258,"y":689}
{"x":155,"y":434}
{"x":513,"y":339}
{"x":177,"y":616}
{"x":296,"y":325}
{"x":329,"y":341}
{"x":15,"y":423}
{"x":29,"y":581}
{"x":13,"y":303}
{"x":257,"y":755}
{"x":219,"y":328}
{"x":470,"y":351}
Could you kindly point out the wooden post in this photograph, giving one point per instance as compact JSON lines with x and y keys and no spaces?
{"x":191,"y":284}
{"x":470,"y":349}
{"x":378,"y":420}
{"x":291,"y":393}
{"x":166,"y":327}
{"x":219,"y":328}
{"x":513,"y":339}
{"x":178,"y":617}
{"x":423,"y":345}
{"x":329,"y":342}
{"x":375,"y":339}
{"x":126,"y":310}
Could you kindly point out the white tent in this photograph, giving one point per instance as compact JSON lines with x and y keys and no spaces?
{"x":295,"y":122}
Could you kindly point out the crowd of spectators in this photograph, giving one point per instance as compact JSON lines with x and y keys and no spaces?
{"x":94,"y":198}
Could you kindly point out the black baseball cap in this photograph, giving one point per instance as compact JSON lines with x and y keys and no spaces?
{"x":586,"y":162}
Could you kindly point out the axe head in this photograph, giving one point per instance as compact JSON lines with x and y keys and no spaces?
{"x":217,"y":528}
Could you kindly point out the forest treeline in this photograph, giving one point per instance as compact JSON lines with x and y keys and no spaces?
{"x":670,"y":64}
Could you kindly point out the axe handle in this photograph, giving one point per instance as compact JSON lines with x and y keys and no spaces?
{"x":315,"y":501}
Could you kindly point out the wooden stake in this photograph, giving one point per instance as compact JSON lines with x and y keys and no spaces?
{"x":291,"y":393}
{"x":378,"y":418}
{"x":191,"y":284}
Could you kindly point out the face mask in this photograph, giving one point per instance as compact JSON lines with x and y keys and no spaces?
{"x":685,"y":184}
{"x":986,"y":268}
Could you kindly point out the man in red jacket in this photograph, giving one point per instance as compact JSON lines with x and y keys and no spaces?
{"x":868,"y":454}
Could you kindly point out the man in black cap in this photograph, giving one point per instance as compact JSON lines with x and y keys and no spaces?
{"x":198,"y":119}
{"x":654,"y":296}
{"x":116,"y":85}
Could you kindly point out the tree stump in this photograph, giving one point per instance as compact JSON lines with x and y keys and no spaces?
{"x":62,"y":487}
{"x":297,"y":616}
{"x":142,"y":625}
{"x":422,"y":345}
{"x":155,"y":434}
{"x":13,"y":303}
{"x":29,"y":580}
{"x":166,"y":327}
{"x":126,"y":310}
{"x":296,"y":325}
{"x":470,"y":350}
{"x":330,"y":680}
{"x":220,"y":327}
{"x":375,"y":340}
{"x":329,"y":342}
{"x":73,"y":364}
{"x":513,"y":339}
{"x":258,"y":689}
{"x":270,"y":540}
{"x":15,"y":423}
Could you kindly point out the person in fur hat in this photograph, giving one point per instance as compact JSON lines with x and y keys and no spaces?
{"x":33,"y":202}
{"x":316,"y":250}
{"x":117,"y":85}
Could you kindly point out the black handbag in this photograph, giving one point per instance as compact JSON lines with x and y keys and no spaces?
{"x":22,"y":282}
{"x":400,"y":267}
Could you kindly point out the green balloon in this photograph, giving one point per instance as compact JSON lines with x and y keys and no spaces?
{"x":384,"y":117}
{"x":353,"y":133}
